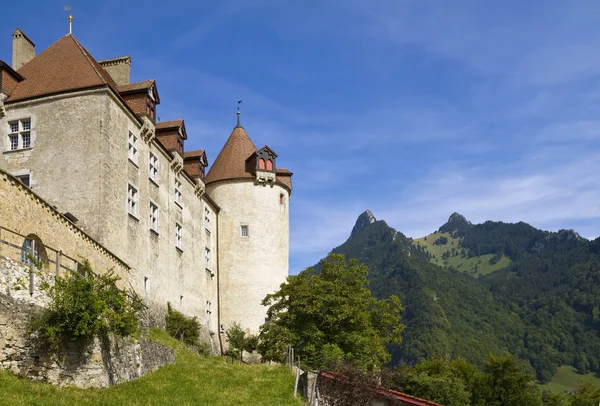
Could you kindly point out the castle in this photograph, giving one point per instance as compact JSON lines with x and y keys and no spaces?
{"x":87,"y":148}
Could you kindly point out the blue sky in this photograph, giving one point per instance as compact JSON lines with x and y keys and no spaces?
{"x":413,"y":109}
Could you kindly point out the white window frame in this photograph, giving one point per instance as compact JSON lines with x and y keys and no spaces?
{"x":244,"y":230}
{"x":132,"y":148}
{"x":19,"y":131}
{"x":153,"y":167}
{"x":154,"y":217}
{"x":133,"y":201}
{"x":179,"y":236}
{"x":177,"y":195}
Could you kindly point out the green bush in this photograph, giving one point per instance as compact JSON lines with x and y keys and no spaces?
{"x":186,"y":329}
{"x":86,"y":305}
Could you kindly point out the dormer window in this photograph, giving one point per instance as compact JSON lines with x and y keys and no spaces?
{"x":265,"y":159}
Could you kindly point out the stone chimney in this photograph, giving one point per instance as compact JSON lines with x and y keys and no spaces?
{"x":23,"y":49}
{"x":118,"y":69}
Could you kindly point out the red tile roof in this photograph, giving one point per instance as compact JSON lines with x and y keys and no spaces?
{"x":193,"y":154}
{"x":388,"y":393}
{"x":169,"y":124}
{"x":231,"y":161}
{"x":64,"y":66}
{"x":133,"y":87}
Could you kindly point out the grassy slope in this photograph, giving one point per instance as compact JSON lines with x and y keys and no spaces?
{"x":566,"y":378}
{"x":475,"y":265}
{"x":193,"y":380}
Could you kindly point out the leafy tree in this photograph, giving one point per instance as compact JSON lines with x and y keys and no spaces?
{"x":586,"y":395}
{"x":505,"y":382}
{"x":84,"y":305}
{"x":239,"y":341}
{"x":314,"y":311}
{"x":554,"y":399}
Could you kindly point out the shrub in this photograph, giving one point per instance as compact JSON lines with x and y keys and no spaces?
{"x":86,"y":305}
{"x":186,"y":329}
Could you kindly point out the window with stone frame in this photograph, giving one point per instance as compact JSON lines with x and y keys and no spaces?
{"x":177,"y":191}
{"x":19,"y":134}
{"x":207,"y":259}
{"x":133,"y":148}
{"x":207,"y":219}
{"x":153,"y":167}
{"x":132,"y":200}
{"x":154,"y":217}
{"x":179,"y":236}
{"x":244,"y":231}
{"x":25,"y":179}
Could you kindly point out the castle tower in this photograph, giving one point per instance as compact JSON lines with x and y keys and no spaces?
{"x":253,"y":228}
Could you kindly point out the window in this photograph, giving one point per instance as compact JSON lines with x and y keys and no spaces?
{"x":177,"y":191}
{"x":133,"y":148}
{"x":180,"y":302}
{"x":178,"y":236}
{"x":154,"y":217}
{"x":19,"y":134}
{"x":207,"y":219}
{"x":153,"y":167}
{"x":146,"y":288}
{"x":24,"y":179}
{"x":207,"y":258}
{"x":208,"y":312}
{"x":132,"y":201}
{"x":26,"y":137}
{"x":244,"y":231}
{"x":31,"y":249}
{"x":269,"y":165}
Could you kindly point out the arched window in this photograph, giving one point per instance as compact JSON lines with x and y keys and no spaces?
{"x":33,"y":248}
{"x":269,"y":165}
{"x":261,"y":163}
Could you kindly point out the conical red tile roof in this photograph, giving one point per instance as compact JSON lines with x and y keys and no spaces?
{"x":231,"y":161}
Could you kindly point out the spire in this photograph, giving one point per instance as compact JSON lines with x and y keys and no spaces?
{"x":238,"y":116}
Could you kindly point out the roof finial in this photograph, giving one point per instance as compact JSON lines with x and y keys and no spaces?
{"x":238,"y":114}
{"x":68,"y":8}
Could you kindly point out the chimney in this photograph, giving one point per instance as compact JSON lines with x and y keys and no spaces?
{"x":23,"y":49}
{"x":118,"y":69}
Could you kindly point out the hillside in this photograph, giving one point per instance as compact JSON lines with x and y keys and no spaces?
{"x":193,"y":380}
{"x":536,"y":294}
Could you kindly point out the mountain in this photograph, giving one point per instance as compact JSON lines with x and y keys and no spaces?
{"x":531,"y":293}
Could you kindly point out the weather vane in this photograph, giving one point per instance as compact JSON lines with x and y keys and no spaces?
{"x":68,"y":8}
{"x":238,"y":114}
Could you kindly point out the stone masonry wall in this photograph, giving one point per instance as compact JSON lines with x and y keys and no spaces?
{"x":95,"y":364}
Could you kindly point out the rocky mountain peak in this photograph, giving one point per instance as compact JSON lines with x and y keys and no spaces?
{"x":456,"y":221}
{"x":363,"y":221}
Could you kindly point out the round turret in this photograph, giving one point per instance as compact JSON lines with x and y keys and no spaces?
{"x":253,"y":228}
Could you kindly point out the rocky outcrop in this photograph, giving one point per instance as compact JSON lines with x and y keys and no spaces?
{"x":363,"y":221}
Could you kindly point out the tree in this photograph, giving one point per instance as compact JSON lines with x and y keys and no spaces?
{"x":505,"y":382}
{"x":316,"y":312}
{"x":239,"y":341}
{"x":586,"y":395}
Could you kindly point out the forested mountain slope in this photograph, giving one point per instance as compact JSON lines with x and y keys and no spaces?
{"x":543,"y":306}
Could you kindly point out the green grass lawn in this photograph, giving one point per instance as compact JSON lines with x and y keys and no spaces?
{"x":475,"y":266}
{"x":567,"y":378}
{"x":193,"y":380}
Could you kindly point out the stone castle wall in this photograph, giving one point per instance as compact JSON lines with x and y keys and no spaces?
{"x":95,"y":364}
{"x":79,"y":162}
